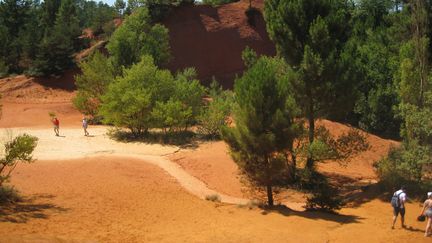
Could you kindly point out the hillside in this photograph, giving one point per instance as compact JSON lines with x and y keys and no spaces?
{"x":211,"y":39}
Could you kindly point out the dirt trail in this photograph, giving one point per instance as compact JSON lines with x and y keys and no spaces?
{"x":71,"y":144}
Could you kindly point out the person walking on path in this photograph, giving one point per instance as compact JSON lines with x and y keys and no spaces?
{"x":85,"y":125}
{"x":427,"y":211}
{"x":398,"y":202}
{"x":56,"y":124}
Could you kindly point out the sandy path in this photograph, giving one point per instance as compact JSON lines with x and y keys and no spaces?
{"x":73,"y":145}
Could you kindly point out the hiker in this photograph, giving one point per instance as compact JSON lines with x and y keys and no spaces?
{"x":398,"y":203}
{"x":427,"y":211}
{"x":56,"y":124}
{"x":85,"y":125}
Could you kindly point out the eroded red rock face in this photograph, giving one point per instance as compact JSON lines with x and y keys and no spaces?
{"x":211,"y":39}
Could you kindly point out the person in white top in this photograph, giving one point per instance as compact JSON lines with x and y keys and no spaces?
{"x":85,"y":125}
{"x":400,"y":207}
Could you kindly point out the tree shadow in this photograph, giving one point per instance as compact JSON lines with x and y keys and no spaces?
{"x":183,"y":139}
{"x":65,"y":81}
{"x":27,"y":209}
{"x":315,"y":215}
{"x":357,"y":192}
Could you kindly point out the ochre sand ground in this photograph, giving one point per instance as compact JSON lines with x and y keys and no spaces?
{"x":92,"y":189}
{"x":114,"y":199}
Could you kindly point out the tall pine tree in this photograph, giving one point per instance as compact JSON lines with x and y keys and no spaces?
{"x":310,"y":35}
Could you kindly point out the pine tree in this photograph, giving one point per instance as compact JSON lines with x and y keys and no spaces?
{"x":60,"y":42}
{"x":264,"y":128}
{"x":310,"y":36}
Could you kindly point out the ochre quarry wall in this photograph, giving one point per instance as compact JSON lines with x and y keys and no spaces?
{"x":211,"y":39}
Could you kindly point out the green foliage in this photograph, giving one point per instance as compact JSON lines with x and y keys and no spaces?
{"x":131,"y":98}
{"x":59,"y":43}
{"x":137,"y":37}
{"x":324,"y":197}
{"x":264,"y":123}
{"x":218,"y":2}
{"x":171,"y":115}
{"x":249,"y":57}
{"x":103,"y":15}
{"x":215,"y":115}
{"x":18,"y":149}
{"x":310,"y":35}
{"x":97,"y":74}
{"x":146,"y":97}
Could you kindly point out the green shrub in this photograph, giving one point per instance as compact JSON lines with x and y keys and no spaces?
{"x":215,"y":115}
{"x":18,"y":149}
{"x":218,"y":2}
{"x":171,"y":116}
{"x":146,"y":97}
{"x":325,"y":197}
{"x":8,"y":194}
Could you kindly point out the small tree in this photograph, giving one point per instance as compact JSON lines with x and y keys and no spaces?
{"x":97,"y":74}
{"x":18,"y":149}
{"x":130,"y":100}
{"x":264,"y":123}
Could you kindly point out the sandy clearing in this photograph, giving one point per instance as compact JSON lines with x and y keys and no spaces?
{"x":72,"y":144}
{"x":114,"y":199}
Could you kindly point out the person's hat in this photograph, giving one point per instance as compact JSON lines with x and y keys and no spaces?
{"x":429,"y":194}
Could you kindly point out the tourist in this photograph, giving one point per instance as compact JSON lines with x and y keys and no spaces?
{"x":398,"y":202}
{"x":56,"y":124}
{"x":427,"y":211}
{"x":85,"y":125}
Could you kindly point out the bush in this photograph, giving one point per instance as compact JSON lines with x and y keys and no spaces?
{"x":18,"y":149}
{"x":325,"y":197}
{"x":130,"y":99}
{"x":404,"y":165}
{"x":215,"y":115}
{"x":8,"y":194}
{"x":147,"y":97}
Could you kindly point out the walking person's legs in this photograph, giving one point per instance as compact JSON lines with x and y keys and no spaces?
{"x":428,"y":226}
{"x":395,"y":215}
{"x":402,"y":213}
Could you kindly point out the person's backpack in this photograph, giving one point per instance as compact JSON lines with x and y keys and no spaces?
{"x":395,"y":200}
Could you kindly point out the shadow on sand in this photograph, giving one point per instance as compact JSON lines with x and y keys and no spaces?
{"x":315,"y":215}
{"x":27,"y":208}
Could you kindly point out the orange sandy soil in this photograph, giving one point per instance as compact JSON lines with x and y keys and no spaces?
{"x":122,"y":200}
{"x":27,"y":101}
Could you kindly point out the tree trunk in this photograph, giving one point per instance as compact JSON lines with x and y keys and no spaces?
{"x":294,"y":167}
{"x":311,"y":120}
{"x":269,"y":195}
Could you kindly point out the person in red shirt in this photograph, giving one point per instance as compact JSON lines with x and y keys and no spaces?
{"x":56,"y":124}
